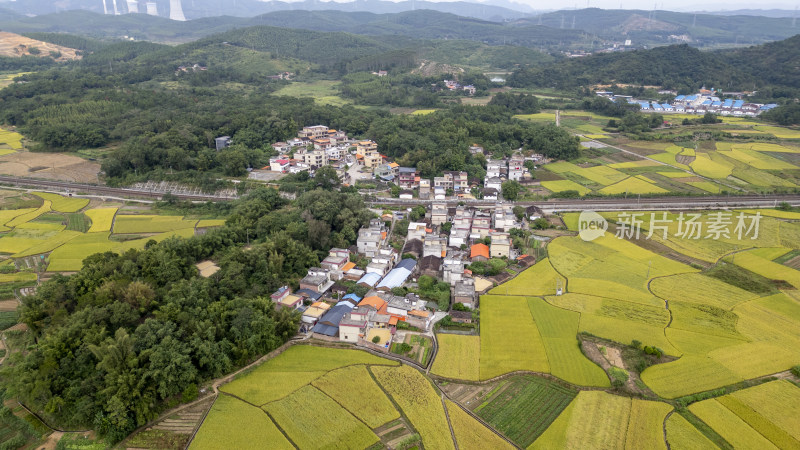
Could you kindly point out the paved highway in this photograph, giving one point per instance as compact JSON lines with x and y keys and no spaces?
{"x":630,"y":203}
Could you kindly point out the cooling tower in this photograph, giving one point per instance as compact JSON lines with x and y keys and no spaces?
{"x":133,"y":6}
{"x":152,"y":8}
{"x":176,"y":11}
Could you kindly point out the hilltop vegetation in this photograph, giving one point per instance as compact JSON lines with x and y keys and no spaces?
{"x":651,"y":27}
{"x":771,"y":69}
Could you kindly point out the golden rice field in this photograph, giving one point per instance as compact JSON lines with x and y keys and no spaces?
{"x":633,"y":185}
{"x":599,"y":420}
{"x":63,"y":204}
{"x":458,"y":357}
{"x":41,"y":231}
{"x":336,"y":398}
{"x":565,"y":185}
{"x":470,"y":434}
{"x":313,"y":420}
{"x":419,"y":401}
{"x":10,"y":141}
{"x":371,"y":405}
{"x":229,"y":413}
{"x":102,"y":219}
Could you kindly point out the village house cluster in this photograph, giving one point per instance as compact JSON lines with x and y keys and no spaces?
{"x":317,"y":146}
{"x":330,"y":311}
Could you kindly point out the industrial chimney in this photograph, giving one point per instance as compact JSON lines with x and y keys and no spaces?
{"x":176,"y":11}
{"x":152,"y":8}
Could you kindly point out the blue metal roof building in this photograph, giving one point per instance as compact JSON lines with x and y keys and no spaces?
{"x":738,"y":103}
{"x":370,"y":279}
{"x":352,"y":297}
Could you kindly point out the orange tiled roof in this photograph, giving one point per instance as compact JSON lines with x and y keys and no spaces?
{"x":479,"y":250}
{"x":393,"y":165}
{"x":374,"y":301}
{"x":416,"y":312}
{"x":393,"y":320}
{"x":348,"y":266}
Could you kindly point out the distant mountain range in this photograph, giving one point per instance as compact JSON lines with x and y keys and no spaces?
{"x":494,"y":10}
{"x":754,"y":12}
{"x":659,"y":27}
{"x":583,"y":29}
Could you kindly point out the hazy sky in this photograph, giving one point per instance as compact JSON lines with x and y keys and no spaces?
{"x":669,"y":5}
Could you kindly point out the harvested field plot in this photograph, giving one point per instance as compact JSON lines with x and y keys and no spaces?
{"x":419,"y":403}
{"x":471,"y":434}
{"x":314,"y":421}
{"x":524,"y":407}
{"x":15,"y":45}
{"x":370,"y":404}
{"x":458,"y":357}
{"x":51,"y":166}
{"x":252,"y":427}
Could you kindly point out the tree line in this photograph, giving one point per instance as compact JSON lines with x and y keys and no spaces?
{"x":129,"y":335}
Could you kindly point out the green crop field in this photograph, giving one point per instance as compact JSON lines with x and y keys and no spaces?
{"x":458,"y":357}
{"x":470,"y":434}
{"x":102,"y":219}
{"x":313,"y":420}
{"x":354,"y":389}
{"x":64,"y":204}
{"x":419,"y":402}
{"x":232,"y":423}
{"x":324,"y":92}
{"x":525,"y":407}
{"x":504,"y":321}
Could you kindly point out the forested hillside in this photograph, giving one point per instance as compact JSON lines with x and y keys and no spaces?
{"x":656,"y":27}
{"x":772,"y":68}
{"x":114,"y":344}
{"x":163,"y":123}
